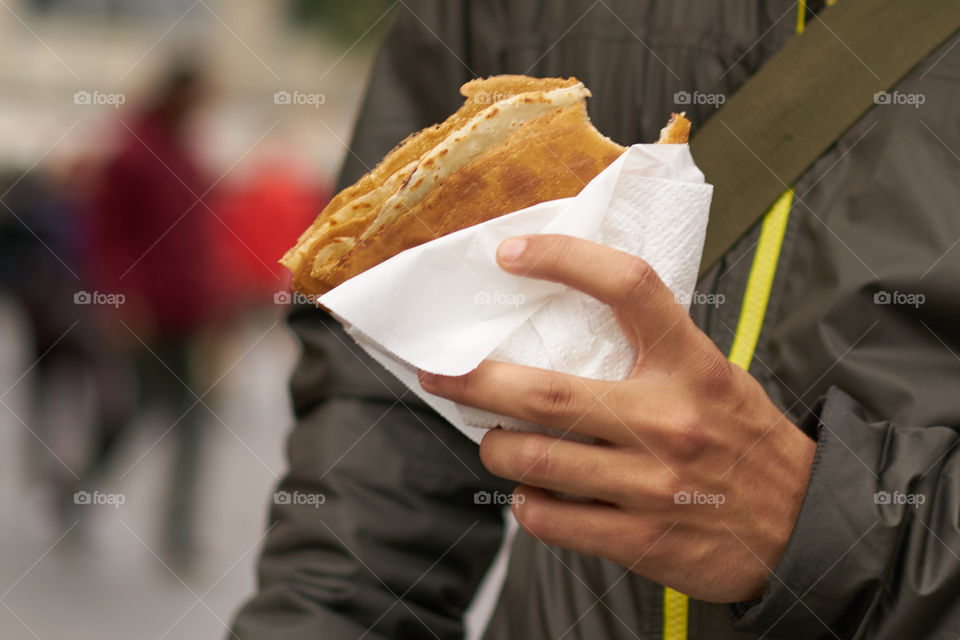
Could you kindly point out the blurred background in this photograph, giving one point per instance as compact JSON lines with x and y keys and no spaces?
{"x":156,"y":159}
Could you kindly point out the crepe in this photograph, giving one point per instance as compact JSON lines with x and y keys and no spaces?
{"x":516,"y":141}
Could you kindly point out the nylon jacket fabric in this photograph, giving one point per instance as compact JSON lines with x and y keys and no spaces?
{"x":847,"y":350}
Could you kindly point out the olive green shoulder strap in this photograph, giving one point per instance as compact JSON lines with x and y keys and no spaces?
{"x":803,"y":99}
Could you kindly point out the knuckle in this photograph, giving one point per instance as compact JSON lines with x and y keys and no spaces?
{"x":532,"y":458}
{"x":667,"y":488}
{"x":638,"y":280}
{"x":551,"y":398}
{"x":716,"y":376}
{"x":688,"y":437}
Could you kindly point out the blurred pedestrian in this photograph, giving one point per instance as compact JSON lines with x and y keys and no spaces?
{"x":41,"y":243}
{"x":150,"y":248}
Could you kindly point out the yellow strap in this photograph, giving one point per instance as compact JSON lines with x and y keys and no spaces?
{"x":755,"y":299}
{"x":674,"y":615}
{"x":675,"y":604}
{"x":801,"y":16}
{"x":760,"y":281}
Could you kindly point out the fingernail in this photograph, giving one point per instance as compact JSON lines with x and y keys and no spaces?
{"x":511,"y":249}
{"x":426,"y":378}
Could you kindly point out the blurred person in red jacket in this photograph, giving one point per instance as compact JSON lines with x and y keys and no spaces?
{"x":152,"y":222}
{"x":149,"y":246}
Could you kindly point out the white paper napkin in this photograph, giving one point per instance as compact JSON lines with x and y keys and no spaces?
{"x":446,"y":305}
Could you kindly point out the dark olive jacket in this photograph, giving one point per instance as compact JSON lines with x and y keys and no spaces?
{"x":860,"y":346}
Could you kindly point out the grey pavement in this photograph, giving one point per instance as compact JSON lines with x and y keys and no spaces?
{"x":103,"y":578}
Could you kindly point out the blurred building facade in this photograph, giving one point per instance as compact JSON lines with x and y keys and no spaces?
{"x":252,"y":50}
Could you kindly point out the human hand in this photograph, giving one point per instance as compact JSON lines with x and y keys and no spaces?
{"x":696,"y":478}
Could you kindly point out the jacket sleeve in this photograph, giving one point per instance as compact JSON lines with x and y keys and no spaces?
{"x":375,"y":531}
{"x":875,"y":552}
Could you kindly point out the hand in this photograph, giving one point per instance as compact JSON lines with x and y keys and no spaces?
{"x":696,"y":478}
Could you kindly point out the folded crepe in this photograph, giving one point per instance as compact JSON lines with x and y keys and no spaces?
{"x":515,"y":142}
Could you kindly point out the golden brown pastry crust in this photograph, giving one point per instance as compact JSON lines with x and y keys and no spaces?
{"x":551,"y":157}
{"x":479,"y":93}
{"x":516,"y":141}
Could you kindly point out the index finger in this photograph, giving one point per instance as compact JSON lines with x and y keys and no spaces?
{"x":549,"y":398}
{"x":623,"y":281}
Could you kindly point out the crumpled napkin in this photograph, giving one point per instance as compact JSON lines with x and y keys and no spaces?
{"x":446,"y":305}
